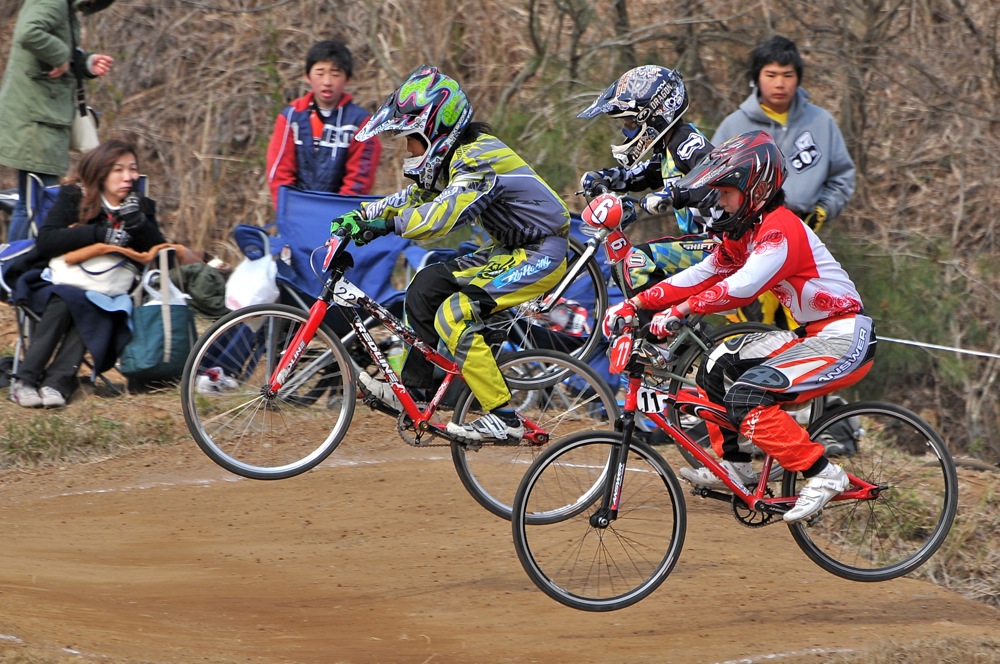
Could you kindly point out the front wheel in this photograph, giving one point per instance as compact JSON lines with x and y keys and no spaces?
{"x":247,"y":431}
{"x":894,"y":533}
{"x":557,"y":395}
{"x":575,"y":560}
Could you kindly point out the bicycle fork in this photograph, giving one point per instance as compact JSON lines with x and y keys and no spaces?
{"x":299,"y":343}
{"x":617,"y":461}
{"x":572,"y":272}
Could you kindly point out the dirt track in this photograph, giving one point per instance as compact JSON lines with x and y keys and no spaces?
{"x":379,"y":555}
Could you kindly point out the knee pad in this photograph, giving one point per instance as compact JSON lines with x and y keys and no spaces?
{"x":745,"y":396}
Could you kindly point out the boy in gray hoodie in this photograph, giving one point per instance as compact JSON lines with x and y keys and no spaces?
{"x":820,"y":170}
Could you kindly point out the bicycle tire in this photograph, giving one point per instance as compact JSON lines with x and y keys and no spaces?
{"x":687,"y":366}
{"x":525,"y":330}
{"x":572,"y":397}
{"x":583,"y":566}
{"x":895,"y":533}
{"x":246,"y":432}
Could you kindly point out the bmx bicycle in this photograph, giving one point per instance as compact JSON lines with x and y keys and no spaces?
{"x":599,"y":518}
{"x":269,"y":392}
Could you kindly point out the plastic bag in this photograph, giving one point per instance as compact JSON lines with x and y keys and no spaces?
{"x":252,"y":282}
{"x":111,"y":274}
{"x":154,"y":296}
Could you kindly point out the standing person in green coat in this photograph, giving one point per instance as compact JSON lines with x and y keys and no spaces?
{"x":38,"y":91}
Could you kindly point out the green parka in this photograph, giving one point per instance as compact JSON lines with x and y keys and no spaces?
{"x":36,"y":111}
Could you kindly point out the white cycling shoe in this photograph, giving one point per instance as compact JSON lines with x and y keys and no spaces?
{"x":380,"y":390}
{"x":817,"y":492}
{"x":741,"y":472}
{"x":488,"y":428}
{"x":215,"y":381}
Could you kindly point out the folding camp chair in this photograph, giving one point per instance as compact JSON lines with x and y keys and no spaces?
{"x":38,"y":202}
{"x":296,"y":240}
{"x":8,"y":199}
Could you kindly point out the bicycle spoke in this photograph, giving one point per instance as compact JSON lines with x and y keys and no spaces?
{"x":597,"y":568}
{"x":896,"y":532}
{"x":258,"y":435}
{"x":557,"y":395}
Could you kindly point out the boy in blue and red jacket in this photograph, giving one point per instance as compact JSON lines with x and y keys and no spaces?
{"x":313,"y":144}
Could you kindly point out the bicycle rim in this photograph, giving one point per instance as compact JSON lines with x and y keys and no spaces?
{"x":557,"y":394}
{"x":889,"y":536}
{"x":584,"y":301}
{"x":248,"y":433}
{"x":587,"y":567}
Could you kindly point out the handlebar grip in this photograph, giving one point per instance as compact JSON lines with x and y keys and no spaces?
{"x":367,"y":236}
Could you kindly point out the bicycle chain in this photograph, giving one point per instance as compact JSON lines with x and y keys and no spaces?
{"x":745,"y":516}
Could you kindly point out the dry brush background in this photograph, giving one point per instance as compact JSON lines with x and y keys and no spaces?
{"x":915,"y":85}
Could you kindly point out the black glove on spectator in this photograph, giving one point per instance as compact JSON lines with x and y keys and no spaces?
{"x":129,"y":212}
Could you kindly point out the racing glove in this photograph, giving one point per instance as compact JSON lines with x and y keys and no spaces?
{"x":610,"y":178}
{"x":349,"y":222}
{"x":617,"y":317}
{"x":369,"y":229}
{"x":665,"y":323}
{"x":660,"y":202}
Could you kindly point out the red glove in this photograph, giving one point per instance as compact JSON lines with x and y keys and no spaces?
{"x":666,"y":322}
{"x":618,"y":316}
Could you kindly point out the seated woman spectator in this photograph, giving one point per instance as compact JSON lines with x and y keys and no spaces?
{"x":97,"y":204}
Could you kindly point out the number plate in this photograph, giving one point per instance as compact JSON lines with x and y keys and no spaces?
{"x":651,"y":401}
{"x":347,"y":294}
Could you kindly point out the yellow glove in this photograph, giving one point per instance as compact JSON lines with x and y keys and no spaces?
{"x":815,"y":219}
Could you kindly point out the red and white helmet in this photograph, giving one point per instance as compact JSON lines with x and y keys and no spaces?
{"x":750,"y":162}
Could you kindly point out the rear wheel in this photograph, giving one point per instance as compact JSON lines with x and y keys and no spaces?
{"x":575,"y":559}
{"x":237,"y":424}
{"x":900,"y":529}
{"x":572,"y":325}
{"x":557,"y":394}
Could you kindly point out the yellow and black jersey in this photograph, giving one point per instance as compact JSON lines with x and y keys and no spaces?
{"x":488,"y":184}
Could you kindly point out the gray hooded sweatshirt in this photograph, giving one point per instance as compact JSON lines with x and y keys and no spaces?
{"x":820,"y":169}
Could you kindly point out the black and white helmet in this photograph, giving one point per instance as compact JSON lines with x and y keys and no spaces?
{"x":652,"y":97}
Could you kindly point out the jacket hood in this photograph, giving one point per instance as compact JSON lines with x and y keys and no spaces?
{"x":751,"y":106}
{"x":88,"y":7}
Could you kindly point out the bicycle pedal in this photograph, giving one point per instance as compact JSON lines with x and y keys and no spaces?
{"x":376,"y":404}
{"x":469,"y":445}
{"x":814,"y":520}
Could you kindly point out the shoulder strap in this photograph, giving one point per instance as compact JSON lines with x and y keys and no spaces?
{"x":168,"y":337}
{"x":81,"y":99}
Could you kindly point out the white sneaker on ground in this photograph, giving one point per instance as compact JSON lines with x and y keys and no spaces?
{"x":741,"y":472}
{"x":51,"y":397}
{"x":380,"y":390}
{"x":817,"y":492}
{"x":215,"y":381}
{"x":488,"y":428}
{"x":25,"y":395}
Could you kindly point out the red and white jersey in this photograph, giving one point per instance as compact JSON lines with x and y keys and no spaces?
{"x":781,"y":255}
